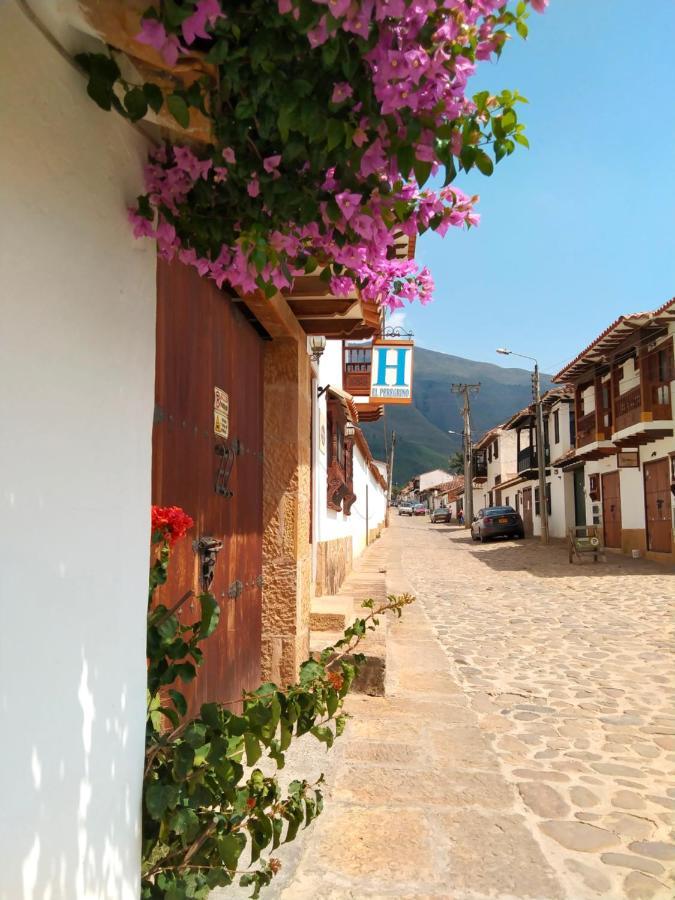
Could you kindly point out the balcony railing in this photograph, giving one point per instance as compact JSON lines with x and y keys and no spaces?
{"x":356,"y":380}
{"x":586,"y":431}
{"x":479,"y":464}
{"x":628,"y":407}
{"x":527,"y":458}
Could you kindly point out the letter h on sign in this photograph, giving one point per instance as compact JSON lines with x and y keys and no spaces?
{"x":398,"y":366}
{"x":391,"y":375}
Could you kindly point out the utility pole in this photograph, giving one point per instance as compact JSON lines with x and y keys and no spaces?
{"x":466,"y":390}
{"x":541,"y":455}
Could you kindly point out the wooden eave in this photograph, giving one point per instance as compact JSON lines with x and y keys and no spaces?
{"x":616,"y":339}
{"x":369,"y":412}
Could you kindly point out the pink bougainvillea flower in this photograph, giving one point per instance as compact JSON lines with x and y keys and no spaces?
{"x":271,"y":163}
{"x":539,"y":5}
{"x":154,"y":35}
{"x":337,"y":7}
{"x":318,"y":35}
{"x":341,"y":92}
{"x":253,"y":187}
{"x":228,"y":156}
{"x":207,"y":12}
{"x":348,"y":203}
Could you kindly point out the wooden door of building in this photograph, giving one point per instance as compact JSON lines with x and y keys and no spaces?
{"x":204,"y":343}
{"x":657,"y":505}
{"x":579,"y":497}
{"x":527,"y":512}
{"x":611,"y":509}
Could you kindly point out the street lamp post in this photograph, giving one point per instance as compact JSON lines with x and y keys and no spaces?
{"x":541,"y":449}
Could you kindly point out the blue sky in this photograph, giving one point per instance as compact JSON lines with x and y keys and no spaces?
{"x":580,"y":228}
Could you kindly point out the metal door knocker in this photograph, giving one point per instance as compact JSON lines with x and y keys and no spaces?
{"x":208,"y":549}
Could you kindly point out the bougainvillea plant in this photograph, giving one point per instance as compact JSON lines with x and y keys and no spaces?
{"x":208,"y":813}
{"x":327,"y":119}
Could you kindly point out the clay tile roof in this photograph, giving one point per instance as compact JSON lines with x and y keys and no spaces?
{"x":612,"y":335}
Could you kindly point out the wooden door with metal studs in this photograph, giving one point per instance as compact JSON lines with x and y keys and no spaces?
{"x":207,"y":458}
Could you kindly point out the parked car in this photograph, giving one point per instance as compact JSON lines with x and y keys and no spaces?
{"x":405,"y":509}
{"x":419,"y":509}
{"x":442,"y":514}
{"x":497,"y":521}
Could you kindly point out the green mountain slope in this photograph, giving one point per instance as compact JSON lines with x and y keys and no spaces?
{"x":422,"y":439}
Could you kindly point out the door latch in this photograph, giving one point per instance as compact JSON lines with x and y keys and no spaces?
{"x":208,"y":549}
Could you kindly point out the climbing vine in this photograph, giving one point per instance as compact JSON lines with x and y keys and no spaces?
{"x":327,"y":118}
{"x":209,"y":814}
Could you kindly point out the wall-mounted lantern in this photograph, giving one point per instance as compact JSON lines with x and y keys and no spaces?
{"x":317,"y":344}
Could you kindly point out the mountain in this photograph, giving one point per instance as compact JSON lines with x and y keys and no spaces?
{"x":422,"y":439}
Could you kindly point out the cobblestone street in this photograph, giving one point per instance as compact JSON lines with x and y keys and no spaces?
{"x":526,"y":747}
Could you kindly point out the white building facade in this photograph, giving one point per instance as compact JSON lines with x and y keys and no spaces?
{"x":349,"y":487}
{"x":78,"y":342}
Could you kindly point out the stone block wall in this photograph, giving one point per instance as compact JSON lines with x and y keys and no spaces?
{"x":333,"y":564}
{"x":286,"y":508}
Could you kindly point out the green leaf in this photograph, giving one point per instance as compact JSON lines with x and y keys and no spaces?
{"x":135,"y":103}
{"x":406,"y":160}
{"x":522,"y":29}
{"x":210,"y":615}
{"x":101,"y":91}
{"x":521,"y":139}
{"x":179,"y":702}
{"x":185,"y":821}
{"x":230,"y":848}
{"x":253,"y":751}
{"x":484,"y":163}
{"x":244,"y":109}
{"x":218,"y":52}
{"x":178,"y":109}
{"x":154,"y":96}
{"x":335,"y":133}
{"x":159,"y":798}
{"x":422,"y":171}
{"x":310,"y":670}
{"x":323,"y":734}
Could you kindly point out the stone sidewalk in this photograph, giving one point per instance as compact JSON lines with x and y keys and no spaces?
{"x":488,"y":770}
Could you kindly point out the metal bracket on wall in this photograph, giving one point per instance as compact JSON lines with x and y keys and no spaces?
{"x":227,"y":455}
{"x":208,"y":549}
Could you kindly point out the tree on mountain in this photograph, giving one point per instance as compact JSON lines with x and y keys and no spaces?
{"x":456,"y":463}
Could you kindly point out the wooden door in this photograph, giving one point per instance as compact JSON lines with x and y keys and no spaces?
{"x":611,"y":509}
{"x":579,"y":498}
{"x":527,"y":512}
{"x":657,"y":505}
{"x":203,"y":343}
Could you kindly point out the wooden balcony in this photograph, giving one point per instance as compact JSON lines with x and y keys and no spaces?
{"x":356,"y":379}
{"x":586,"y":430}
{"x":527,"y":459}
{"x":357,"y":360}
{"x":628,"y":408}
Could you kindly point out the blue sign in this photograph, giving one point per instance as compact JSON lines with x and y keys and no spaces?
{"x":392,"y":372}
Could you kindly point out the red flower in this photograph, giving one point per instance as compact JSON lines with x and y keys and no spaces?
{"x":336,"y":680}
{"x":250,"y":802}
{"x":171,"y":521}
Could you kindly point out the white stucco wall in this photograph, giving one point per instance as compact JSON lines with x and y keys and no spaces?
{"x":329,"y":524}
{"x":77,"y":369}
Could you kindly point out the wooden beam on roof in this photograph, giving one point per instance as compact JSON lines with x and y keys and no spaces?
{"x":275,"y":315}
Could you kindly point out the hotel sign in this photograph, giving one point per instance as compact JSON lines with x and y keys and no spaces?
{"x":391,"y":373}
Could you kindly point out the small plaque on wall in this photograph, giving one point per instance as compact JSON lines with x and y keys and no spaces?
{"x":221,"y":412}
{"x":628,"y":459}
